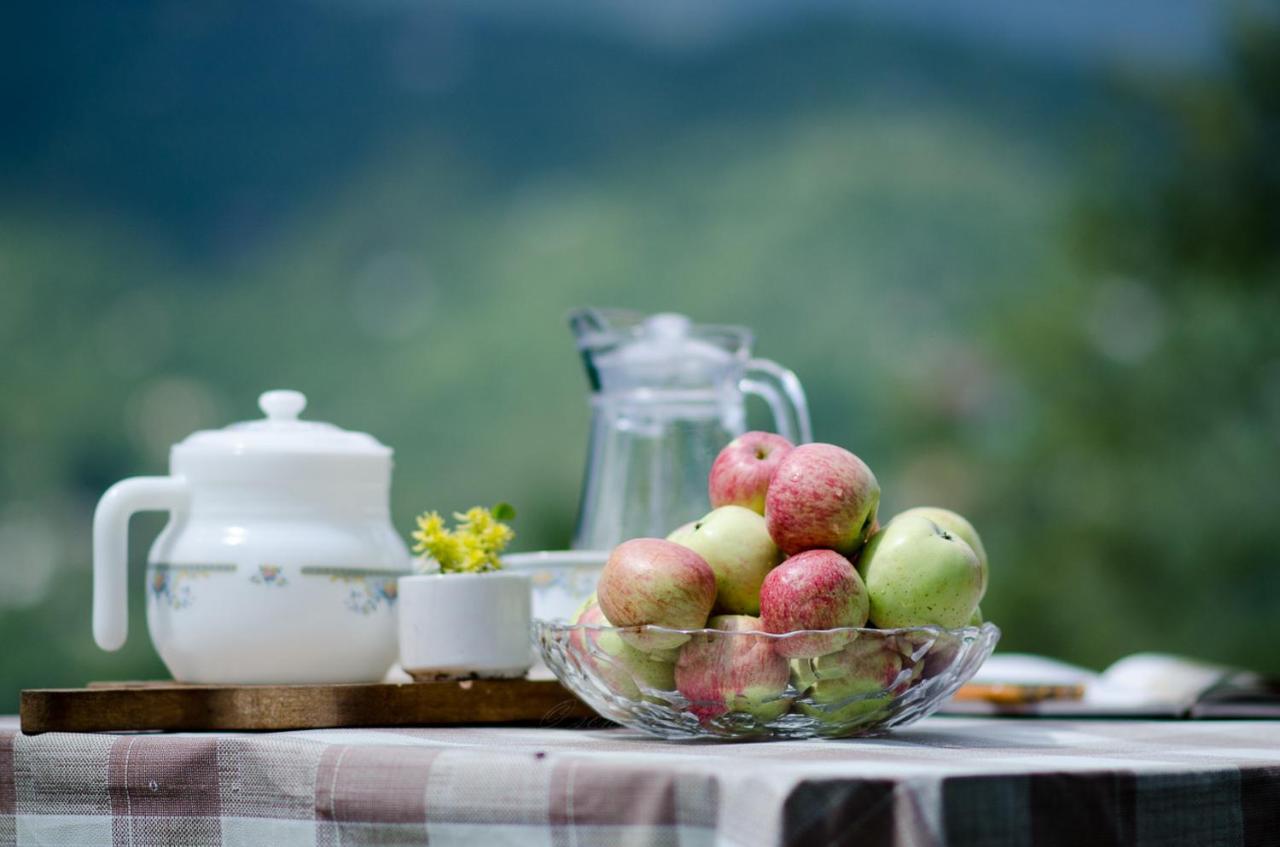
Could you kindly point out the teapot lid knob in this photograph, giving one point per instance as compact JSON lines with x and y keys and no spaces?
{"x":282,"y":405}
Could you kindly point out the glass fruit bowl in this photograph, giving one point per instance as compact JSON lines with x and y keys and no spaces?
{"x":715,"y":683}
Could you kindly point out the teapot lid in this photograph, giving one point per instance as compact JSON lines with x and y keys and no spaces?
{"x":280,"y":444}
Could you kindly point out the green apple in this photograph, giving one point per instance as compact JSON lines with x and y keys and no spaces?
{"x":735,"y":542}
{"x":956,"y":525}
{"x":976,"y":618}
{"x":802,"y":675}
{"x":850,"y":684}
{"x":918,"y":574}
{"x":621,"y":667}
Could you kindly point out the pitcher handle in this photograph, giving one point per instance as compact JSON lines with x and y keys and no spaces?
{"x":780,"y":388}
{"x":111,"y":547}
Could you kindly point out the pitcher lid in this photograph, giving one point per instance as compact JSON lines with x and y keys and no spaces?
{"x":280,"y":435}
{"x":662,"y":350}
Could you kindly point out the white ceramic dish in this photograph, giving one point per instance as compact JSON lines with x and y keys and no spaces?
{"x":562,"y":579}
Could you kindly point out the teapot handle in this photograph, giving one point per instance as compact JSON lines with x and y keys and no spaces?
{"x":780,"y":388}
{"x":111,"y":543}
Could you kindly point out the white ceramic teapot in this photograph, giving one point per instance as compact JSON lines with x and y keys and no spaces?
{"x":279,"y":562}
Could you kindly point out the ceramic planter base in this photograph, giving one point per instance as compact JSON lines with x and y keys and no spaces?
{"x":463,"y":674}
{"x":465,"y":626}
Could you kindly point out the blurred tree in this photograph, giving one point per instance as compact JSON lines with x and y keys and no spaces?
{"x":1209,"y":204}
{"x":1150,"y":483}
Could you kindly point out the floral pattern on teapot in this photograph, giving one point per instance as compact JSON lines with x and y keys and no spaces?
{"x":171,"y":584}
{"x":369,"y":590}
{"x":371,"y":594}
{"x":270,"y":575}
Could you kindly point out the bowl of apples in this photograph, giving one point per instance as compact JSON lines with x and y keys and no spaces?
{"x":785,"y":612}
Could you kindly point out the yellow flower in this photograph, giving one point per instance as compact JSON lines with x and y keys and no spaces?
{"x":473,"y":546}
{"x":430,"y":528}
{"x":475,"y":520}
{"x":449,"y":551}
{"x":497,"y":537}
{"x":477,"y":559}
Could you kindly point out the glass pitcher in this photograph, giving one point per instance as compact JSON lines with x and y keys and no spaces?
{"x":666,"y":396}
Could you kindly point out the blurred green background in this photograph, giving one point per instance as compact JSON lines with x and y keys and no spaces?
{"x":1025,"y":263}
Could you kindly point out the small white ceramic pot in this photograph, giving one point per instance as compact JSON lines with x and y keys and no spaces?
{"x":465,"y":625}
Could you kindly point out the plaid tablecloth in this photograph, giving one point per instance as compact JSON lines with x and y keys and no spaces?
{"x":958,"y":781}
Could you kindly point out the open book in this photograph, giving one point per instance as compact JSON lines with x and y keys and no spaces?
{"x":1141,"y":685}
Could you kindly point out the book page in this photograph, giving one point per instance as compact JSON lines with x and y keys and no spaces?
{"x":1141,"y":685}
{"x":1157,"y":678}
{"x":1029,"y":669}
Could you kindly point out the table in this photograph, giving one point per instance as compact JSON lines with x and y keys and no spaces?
{"x":958,"y":781}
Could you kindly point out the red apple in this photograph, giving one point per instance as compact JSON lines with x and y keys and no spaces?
{"x":821,"y":497}
{"x":650,"y":581}
{"x":740,"y":475}
{"x":817,"y":589}
{"x":735,"y":672}
{"x":943,"y":650}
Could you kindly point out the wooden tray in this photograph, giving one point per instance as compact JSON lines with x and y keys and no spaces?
{"x":126,"y":706}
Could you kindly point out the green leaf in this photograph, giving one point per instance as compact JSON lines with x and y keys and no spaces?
{"x":503,"y":512}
